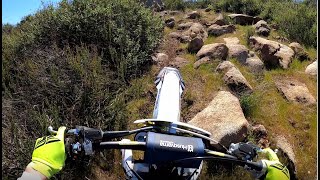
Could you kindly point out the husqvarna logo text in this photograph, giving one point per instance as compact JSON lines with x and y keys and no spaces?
{"x":171,"y":144}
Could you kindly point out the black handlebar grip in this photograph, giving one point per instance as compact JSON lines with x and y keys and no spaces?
{"x":91,"y":133}
{"x":258,"y":166}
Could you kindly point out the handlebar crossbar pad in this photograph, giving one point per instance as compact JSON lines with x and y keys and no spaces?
{"x":163,"y":148}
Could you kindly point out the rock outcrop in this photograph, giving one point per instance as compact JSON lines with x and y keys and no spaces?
{"x":238,"y":51}
{"x":201,"y":61}
{"x":217,"y":30}
{"x":244,"y":19}
{"x":193,"y":15}
{"x":213,"y":51}
{"x":175,"y":35}
{"x":224,"y":67}
{"x":272,"y":53}
{"x":242,"y":54}
{"x":236,"y":82}
{"x":195,"y":45}
{"x":219,"y":20}
{"x":180,"y":37}
{"x":160,"y":58}
{"x":259,"y":131}
{"x":299,"y":52}
{"x":234,"y":79}
{"x":196,"y":30}
{"x":254,"y":63}
{"x":287,"y":150}
{"x":312,"y":68}
{"x":170,"y":22}
{"x":224,"y":119}
{"x":184,"y":26}
{"x":262,"y":28}
{"x":295,"y":91}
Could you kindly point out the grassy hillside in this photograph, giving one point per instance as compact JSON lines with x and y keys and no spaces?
{"x":88,"y":62}
{"x":70,"y":65}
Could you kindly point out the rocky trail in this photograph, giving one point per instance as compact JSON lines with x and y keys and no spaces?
{"x":205,"y":44}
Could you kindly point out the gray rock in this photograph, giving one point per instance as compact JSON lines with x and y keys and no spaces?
{"x":261,"y":23}
{"x":175,"y":35}
{"x":184,"y":26}
{"x":193,"y":15}
{"x":195,"y":45}
{"x":219,"y":20}
{"x":312,"y":68}
{"x":295,"y":91}
{"x":196,"y":30}
{"x":170,"y":24}
{"x":236,"y":82}
{"x":201,"y":61}
{"x":262,"y":28}
{"x":259,"y":131}
{"x":251,"y":54}
{"x":217,"y":30}
{"x":170,"y":19}
{"x":237,"y":51}
{"x":173,"y":13}
{"x":185,"y":39}
{"x":299,"y":52}
{"x":161,"y":58}
{"x":255,"y":64}
{"x":213,"y":51}
{"x":180,"y":37}
{"x":224,"y":119}
{"x":272,"y":53}
{"x":233,"y":78}
{"x":224,"y":67}
{"x":281,"y":39}
{"x":244,"y":19}
{"x":263,"y":31}
{"x":287,"y":150}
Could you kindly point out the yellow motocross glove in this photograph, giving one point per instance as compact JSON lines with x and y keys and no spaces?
{"x":275,"y":169}
{"x":49,"y":155}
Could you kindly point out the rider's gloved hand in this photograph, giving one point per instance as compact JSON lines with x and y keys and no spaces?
{"x":275,"y":169}
{"x":49,"y":155}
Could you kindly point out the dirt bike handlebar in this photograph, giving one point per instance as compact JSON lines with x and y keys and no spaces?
{"x":96,"y":139}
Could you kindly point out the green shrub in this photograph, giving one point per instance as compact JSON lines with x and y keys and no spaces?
{"x":298,"y":22}
{"x":70,"y":65}
{"x":250,"y":7}
{"x":248,"y":103}
{"x":199,"y":4}
{"x":210,"y":6}
{"x":174,"y":4}
{"x":125,"y":31}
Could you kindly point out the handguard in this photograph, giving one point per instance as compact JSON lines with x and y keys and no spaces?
{"x":244,"y":151}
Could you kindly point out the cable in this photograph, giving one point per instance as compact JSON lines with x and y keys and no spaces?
{"x":201,"y":136}
{"x":255,"y":165}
